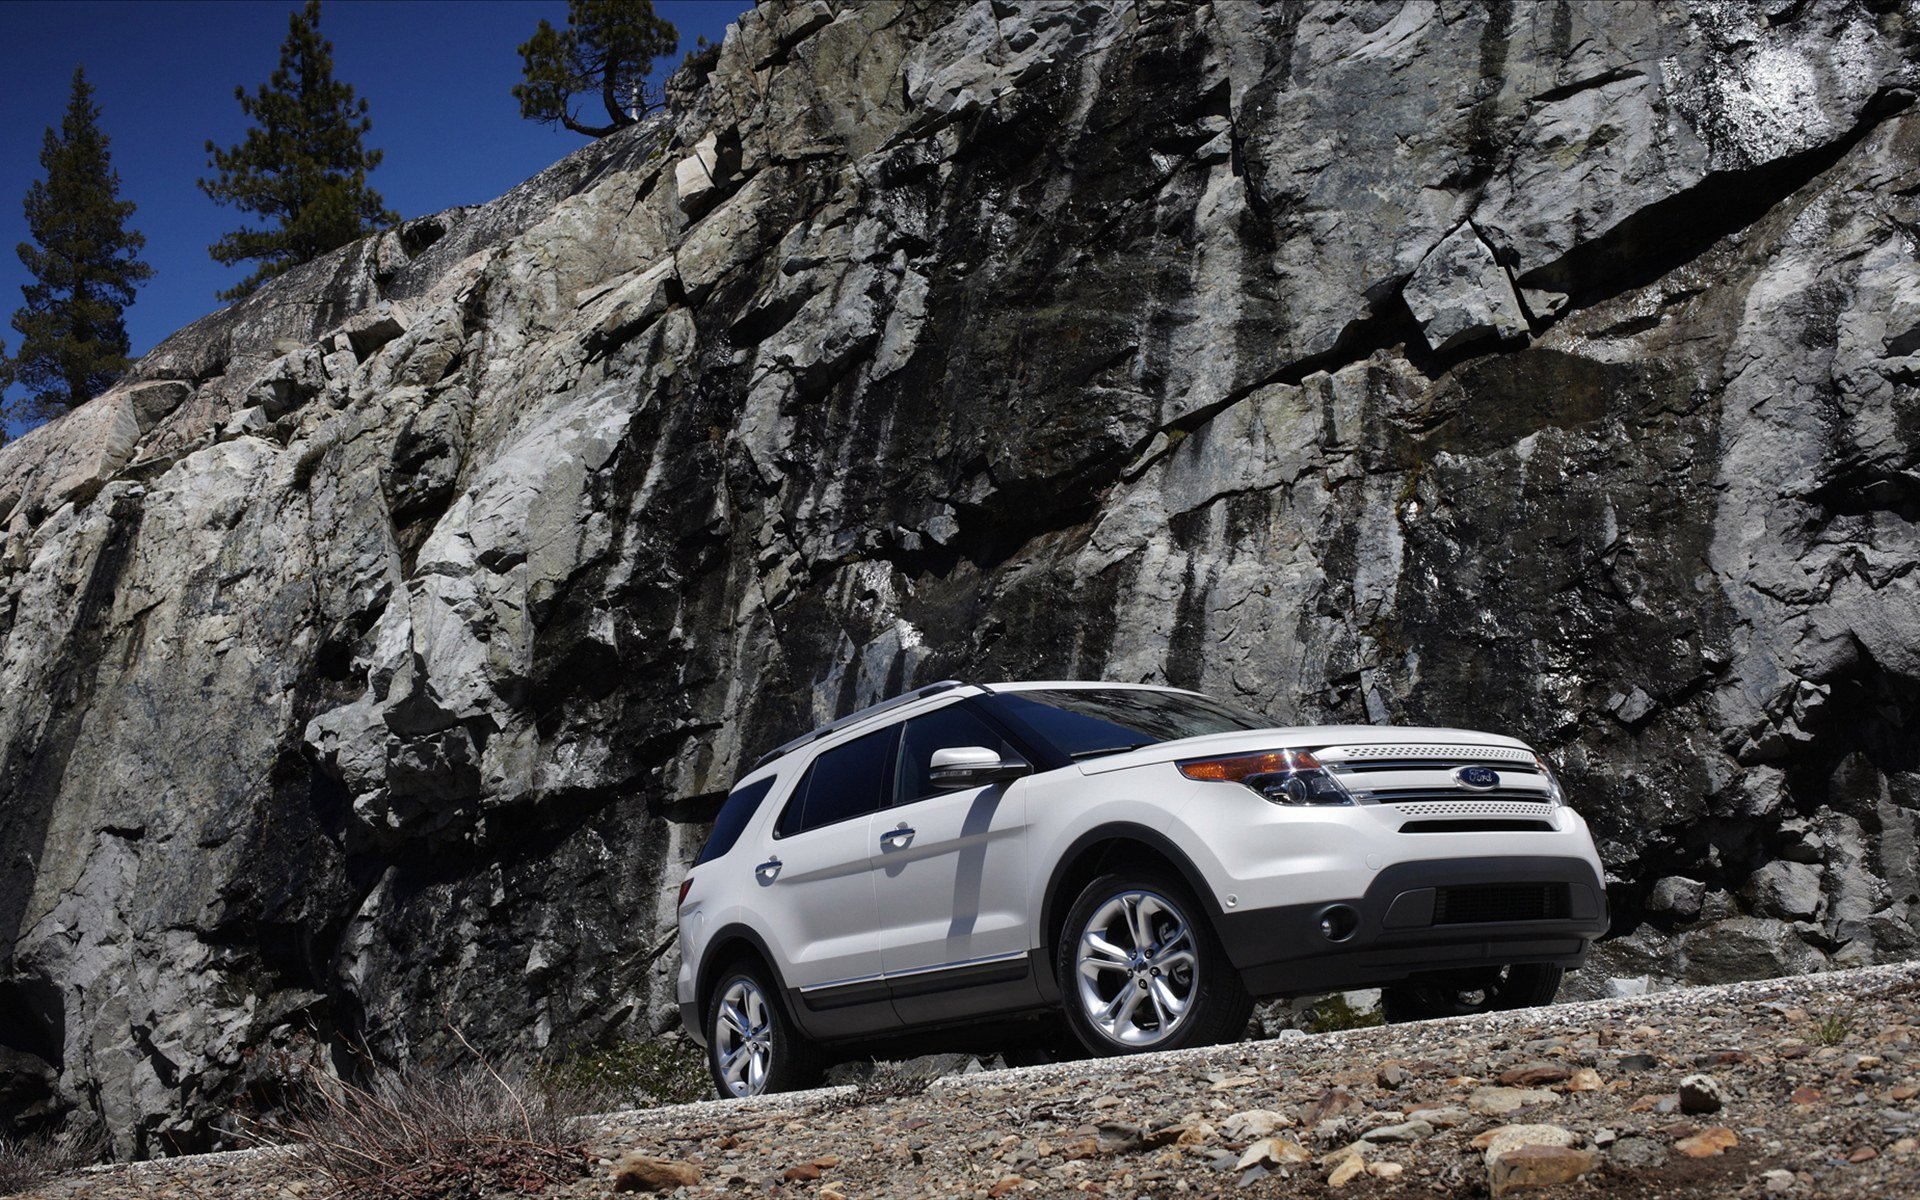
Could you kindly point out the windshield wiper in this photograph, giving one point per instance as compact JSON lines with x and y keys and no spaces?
{"x":1103,"y":751}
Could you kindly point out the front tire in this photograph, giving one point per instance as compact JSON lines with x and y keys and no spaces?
{"x":1494,"y":989}
{"x":1140,"y":968}
{"x":753,"y":1047}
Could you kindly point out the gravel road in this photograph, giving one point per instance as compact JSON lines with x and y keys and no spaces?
{"x":1797,"y":1087}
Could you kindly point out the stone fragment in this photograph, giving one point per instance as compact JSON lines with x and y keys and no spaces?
{"x":1635,"y":1152}
{"x":698,"y":178}
{"x":1391,"y":1076}
{"x":1272,"y":1152}
{"x":1783,"y":889}
{"x":1678,"y":895}
{"x":153,"y":402}
{"x":1700,"y":1094}
{"x":1461,"y":295}
{"x":368,"y":331}
{"x":1408,"y":1131}
{"x":1777,"y":1181}
{"x":637,"y":1172}
{"x":1254,"y":1123}
{"x":1499,"y":1101}
{"x":1708,"y":1142}
{"x":1536,"y":1166}
{"x":1512,"y":1137}
{"x":1804,"y":1096}
{"x":1586,"y":1079}
{"x":1347,"y":1170}
{"x":1334,"y":1102}
{"x":1386,"y":1170}
{"x":1633,"y":708}
{"x":1748,"y":948}
{"x":801,"y":1173}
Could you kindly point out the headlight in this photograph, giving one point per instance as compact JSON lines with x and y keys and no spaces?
{"x":1556,"y":795}
{"x":1282,"y":776}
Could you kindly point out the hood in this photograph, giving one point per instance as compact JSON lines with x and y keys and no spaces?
{"x":1296,"y":737}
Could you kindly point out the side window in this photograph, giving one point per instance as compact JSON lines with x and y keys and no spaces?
{"x":843,"y":783}
{"x":733,"y":818}
{"x":946,"y":729}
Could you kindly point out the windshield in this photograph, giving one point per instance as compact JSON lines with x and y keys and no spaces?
{"x":1082,"y":723}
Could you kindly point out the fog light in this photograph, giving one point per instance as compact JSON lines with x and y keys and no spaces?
{"x":1338,"y":922}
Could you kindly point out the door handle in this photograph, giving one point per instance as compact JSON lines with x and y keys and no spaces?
{"x":894,"y":839}
{"x":767,"y":870}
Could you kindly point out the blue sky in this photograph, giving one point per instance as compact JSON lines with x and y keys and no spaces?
{"x":437,"y":76}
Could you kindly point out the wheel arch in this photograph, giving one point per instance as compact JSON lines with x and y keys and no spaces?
{"x":1092,"y":854}
{"x":728,"y":944}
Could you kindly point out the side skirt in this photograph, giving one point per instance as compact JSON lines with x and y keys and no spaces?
{"x":964,"y":993}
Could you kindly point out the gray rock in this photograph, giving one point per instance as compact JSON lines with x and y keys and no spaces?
{"x":1460,"y":294}
{"x":1677,"y":895}
{"x":1747,"y":948}
{"x":1784,"y":889}
{"x":1406,"y":1131}
{"x":1637,"y":1153}
{"x":1700,"y":1094}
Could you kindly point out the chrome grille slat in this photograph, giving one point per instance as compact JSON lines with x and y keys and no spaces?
{"x":1408,"y":797}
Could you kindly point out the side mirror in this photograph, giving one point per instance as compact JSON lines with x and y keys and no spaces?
{"x":972,"y":766}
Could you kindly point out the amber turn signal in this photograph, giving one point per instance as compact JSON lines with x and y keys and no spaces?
{"x":1240,"y":767}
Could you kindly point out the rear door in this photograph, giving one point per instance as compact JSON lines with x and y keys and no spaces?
{"x":951,"y":879}
{"x":816,"y":888}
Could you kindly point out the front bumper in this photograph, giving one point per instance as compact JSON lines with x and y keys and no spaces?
{"x":1422,"y":916}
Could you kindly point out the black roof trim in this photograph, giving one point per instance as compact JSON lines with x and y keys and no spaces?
{"x":873,"y":710}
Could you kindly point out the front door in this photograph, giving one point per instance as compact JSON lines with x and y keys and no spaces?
{"x":950,"y":878}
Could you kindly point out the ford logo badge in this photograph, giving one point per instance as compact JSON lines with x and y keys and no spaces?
{"x":1479,"y":779}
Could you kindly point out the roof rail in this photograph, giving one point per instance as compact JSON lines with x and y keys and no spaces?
{"x":851,"y":718}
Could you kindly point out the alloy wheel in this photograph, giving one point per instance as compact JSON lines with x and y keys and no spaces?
{"x":1137,"y":967}
{"x":743,"y":1038}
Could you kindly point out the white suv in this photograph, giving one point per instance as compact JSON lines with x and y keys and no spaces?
{"x":1138,"y":862}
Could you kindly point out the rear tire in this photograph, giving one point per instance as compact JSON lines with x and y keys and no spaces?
{"x":753,"y":1047}
{"x":1494,"y":989}
{"x":1140,"y":968}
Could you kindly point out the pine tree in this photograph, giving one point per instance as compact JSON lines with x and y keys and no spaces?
{"x":302,"y":165}
{"x":608,"y":49}
{"x":84,"y":262}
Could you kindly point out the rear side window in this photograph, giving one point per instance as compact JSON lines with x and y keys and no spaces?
{"x":947,"y":729}
{"x":843,"y":783}
{"x":733,"y":818}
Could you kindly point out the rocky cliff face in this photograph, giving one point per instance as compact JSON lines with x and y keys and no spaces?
{"x":372,"y":655}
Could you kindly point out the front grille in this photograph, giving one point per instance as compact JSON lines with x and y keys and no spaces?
{"x":1458,"y":795}
{"x":1487,"y":903}
{"x":1372,"y":766}
{"x":1454,"y":806}
{"x":1427,"y":753}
